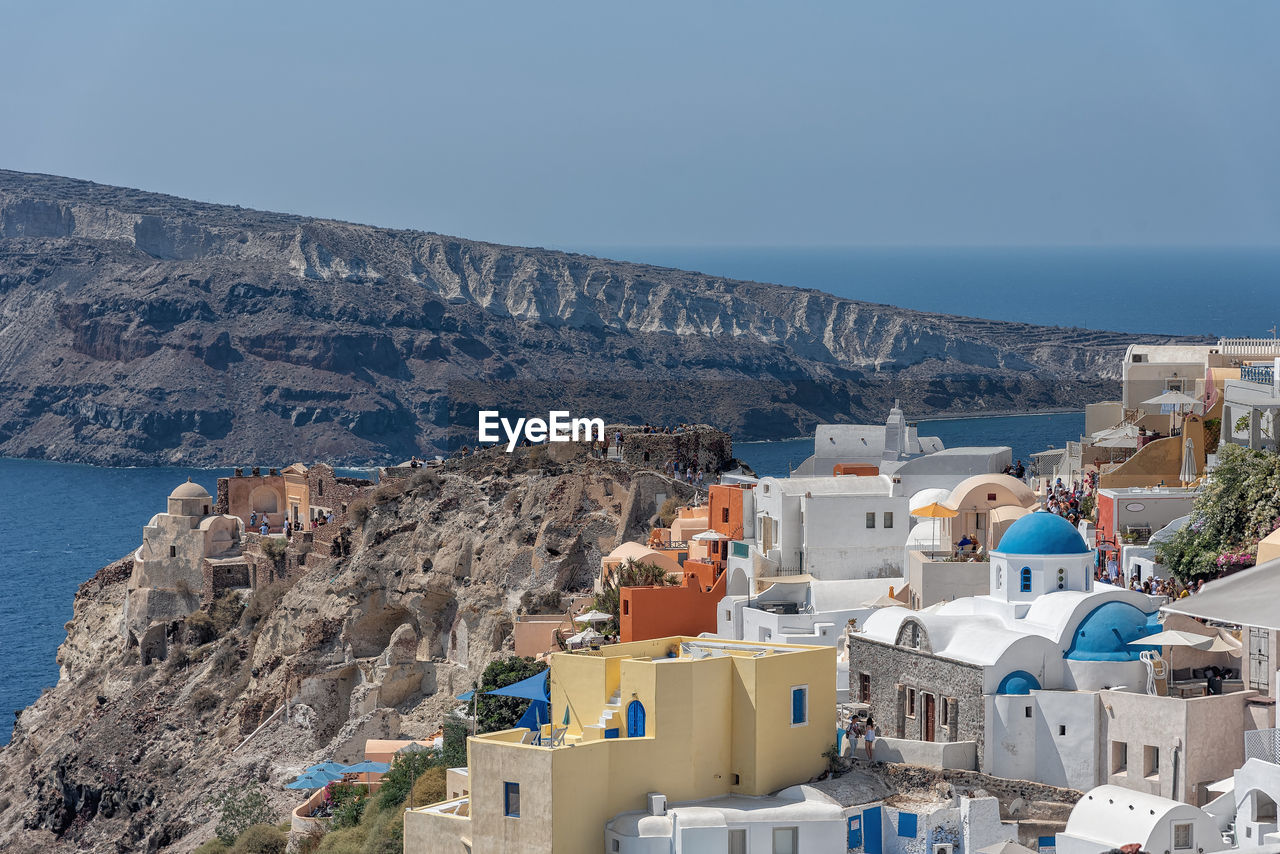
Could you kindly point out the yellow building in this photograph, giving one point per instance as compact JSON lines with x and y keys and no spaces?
{"x":689,"y":718}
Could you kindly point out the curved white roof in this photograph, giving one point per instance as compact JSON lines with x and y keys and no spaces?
{"x":843,"y":485}
{"x":1115,"y":814}
{"x":982,"y":630}
{"x":928,"y":496}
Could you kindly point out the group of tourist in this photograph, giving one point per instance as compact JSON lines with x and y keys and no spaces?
{"x":690,"y":475}
{"x":679,"y":428}
{"x":1017,"y":470}
{"x":290,"y":527}
{"x":1065,"y":501}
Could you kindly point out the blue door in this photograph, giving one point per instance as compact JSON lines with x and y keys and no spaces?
{"x":635,"y":719}
{"x":855,"y":832}
{"x":872,"y":842}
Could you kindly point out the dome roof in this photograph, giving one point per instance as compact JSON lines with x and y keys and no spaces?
{"x":1042,"y":534}
{"x":189,"y":490}
{"x":1106,"y":632}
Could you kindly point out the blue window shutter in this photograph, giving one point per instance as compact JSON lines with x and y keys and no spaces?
{"x":798,"y":705}
{"x":635,"y":719}
{"x":907,"y":824}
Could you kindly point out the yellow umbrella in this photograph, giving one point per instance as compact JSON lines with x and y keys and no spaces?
{"x":935,"y":511}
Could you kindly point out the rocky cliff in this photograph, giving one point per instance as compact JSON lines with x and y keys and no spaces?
{"x":124,"y":757}
{"x":139,"y":328}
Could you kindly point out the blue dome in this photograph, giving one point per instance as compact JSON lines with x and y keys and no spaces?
{"x":1104,"y":634}
{"x":1018,"y":682}
{"x":1042,"y":534}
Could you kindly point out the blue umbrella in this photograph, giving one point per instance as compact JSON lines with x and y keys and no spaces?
{"x":368,"y":767}
{"x":326,"y":767}
{"x":310,"y":781}
{"x":466,"y":698}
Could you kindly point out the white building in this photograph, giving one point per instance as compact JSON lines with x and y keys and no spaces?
{"x":799,"y":818}
{"x":865,"y":444}
{"x":1110,"y":817}
{"x":831,"y":527}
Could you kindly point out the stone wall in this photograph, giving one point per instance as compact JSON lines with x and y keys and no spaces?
{"x":705,"y":448}
{"x":223,"y":576}
{"x":895,"y":669}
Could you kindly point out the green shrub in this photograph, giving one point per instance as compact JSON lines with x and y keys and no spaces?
{"x":263,"y":602}
{"x":261,"y":839}
{"x":239,"y":808}
{"x":213,"y":846}
{"x":348,"y":840}
{"x":429,"y":788}
{"x":498,"y":713}
{"x":274,"y":548}
{"x":406,"y":768}
{"x":200,"y":628}
{"x":455,"y":743}
{"x":204,"y":700}
{"x":667,"y":512}
{"x":348,"y":802}
{"x":385,"y":832}
{"x":225,"y":612}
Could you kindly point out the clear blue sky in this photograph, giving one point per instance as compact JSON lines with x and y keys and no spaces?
{"x":599,"y":123}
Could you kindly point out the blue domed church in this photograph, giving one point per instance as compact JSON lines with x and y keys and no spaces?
{"x":1010,"y":683}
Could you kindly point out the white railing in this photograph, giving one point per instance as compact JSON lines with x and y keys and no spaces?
{"x":1249,"y":346}
{"x":1262,"y":744}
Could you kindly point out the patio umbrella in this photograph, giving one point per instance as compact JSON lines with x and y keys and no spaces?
{"x":708,"y":535}
{"x":1188,"y":473}
{"x":885,"y":601}
{"x":935,"y":511}
{"x":1173,"y":398}
{"x":593,"y":617}
{"x":368,"y":767}
{"x":1174,"y":637}
{"x":326,"y":767}
{"x":315,"y":779}
{"x":585,"y":636}
{"x":1220,"y":645}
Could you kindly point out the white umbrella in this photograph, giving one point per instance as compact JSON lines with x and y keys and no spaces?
{"x":708,"y":535}
{"x":1125,"y":436}
{"x":885,"y":601}
{"x":1174,"y":637}
{"x":1174,"y":398}
{"x":593,"y":617}
{"x":585,"y":636}
{"x":1188,"y":462}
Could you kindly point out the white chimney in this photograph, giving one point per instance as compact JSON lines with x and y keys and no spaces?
{"x":657,"y":804}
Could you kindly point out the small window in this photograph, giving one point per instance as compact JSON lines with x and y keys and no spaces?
{"x":206,"y":510}
{"x":911,"y":702}
{"x":786,"y":840}
{"x":871,"y":520}
{"x":626,"y":606}
{"x":908,"y":826}
{"x":173,"y":551}
{"x":1026,"y":579}
{"x":991,"y":496}
{"x":864,"y":687}
{"x":944,"y":712}
{"x":728,"y":616}
{"x":1150,"y":761}
{"x":800,"y":705}
{"x":1062,"y":729}
{"x":1183,"y":838}
{"x":511,"y":799}
{"x":616,"y":846}
{"x":1027,"y":712}
{"x":734,"y":779}
{"x":888,"y":520}
{"x":724,"y":515}
{"x":1119,"y":757}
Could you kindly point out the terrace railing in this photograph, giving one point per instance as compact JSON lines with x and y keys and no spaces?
{"x":1262,"y":374}
{"x":1249,"y":346}
{"x":1262,"y":744}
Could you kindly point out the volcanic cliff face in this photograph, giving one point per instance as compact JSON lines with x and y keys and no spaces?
{"x":141,"y":328}
{"x":124,"y":757}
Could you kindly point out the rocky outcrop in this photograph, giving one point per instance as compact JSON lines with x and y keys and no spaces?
{"x":122,"y":756}
{"x":141,"y":328}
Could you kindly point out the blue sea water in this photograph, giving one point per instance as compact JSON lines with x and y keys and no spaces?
{"x":1186,"y":291}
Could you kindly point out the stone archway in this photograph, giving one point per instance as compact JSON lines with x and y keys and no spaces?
{"x":264,"y":499}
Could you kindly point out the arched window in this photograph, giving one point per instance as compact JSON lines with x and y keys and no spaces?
{"x":1026,"y":579}
{"x":635,"y":719}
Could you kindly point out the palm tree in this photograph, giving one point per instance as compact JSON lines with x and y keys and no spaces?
{"x":630,"y":574}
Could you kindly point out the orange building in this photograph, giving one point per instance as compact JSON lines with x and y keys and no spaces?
{"x":690,"y":608}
